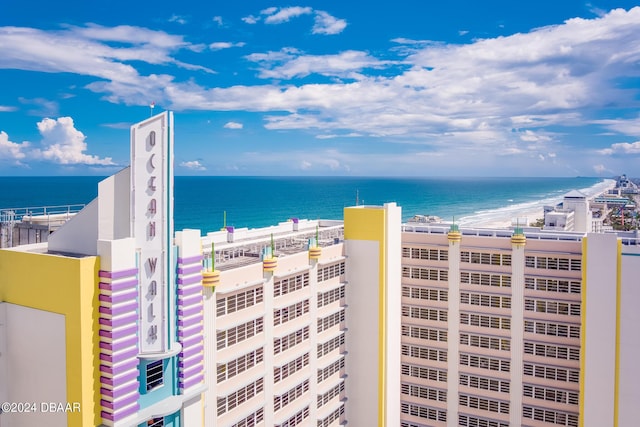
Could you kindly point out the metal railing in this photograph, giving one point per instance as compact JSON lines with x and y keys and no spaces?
{"x":31,"y":213}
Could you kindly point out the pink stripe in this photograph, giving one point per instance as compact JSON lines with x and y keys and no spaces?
{"x":188,"y":352}
{"x":196,"y":330}
{"x":119,"y":380}
{"x":118,"y":309}
{"x":190,"y":300}
{"x":191,"y":382}
{"x":189,"y":269}
{"x":118,"y":274}
{"x":190,"y":260}
{"x":115,"y":371}
{"x":184,"y":292}
{"x":118,"y":286}
{"x":118,"y":415}
{"x":189,"y":280}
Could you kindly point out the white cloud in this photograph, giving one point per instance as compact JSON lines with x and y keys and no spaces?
{"x":304,"y":165}
{"x":40,"y":107}
{"x":275,"y":16}
{"x":332,"y":135}
{"x":225,"y":45}
{"x":178,"y":19}
{"x":324,"y":23}
{"x":475,"y":92}
{"x":11,"y":150}
{"x":218,"y":20}
{"x":193,"y":165}
{"x":327,"y":24}
{"x":7,"y":109}
{"x":404,"y":40}
{"x":468,"y":96}
{"x":290,"y":63}
{"x":622,"y":148}
{"x":269,"y":11}
{"x":596,"y":10}
{"x":531,"y":136}
{"x":89,"y":51}
{"x":323,"y":161}
{"x":119,"y":125}
{"x":233,"y":125}
{"x":511,"y":151}
{"x":62,"y":143}
{"x":250,"y":19}
{"x":630,"y":127}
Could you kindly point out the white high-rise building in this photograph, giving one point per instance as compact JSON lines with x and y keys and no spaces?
{"x":362,"y":321}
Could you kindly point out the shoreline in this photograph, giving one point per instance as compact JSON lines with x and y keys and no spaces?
{"x":507,"y":217}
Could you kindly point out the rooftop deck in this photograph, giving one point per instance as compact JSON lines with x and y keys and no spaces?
{"x":248,"y":250}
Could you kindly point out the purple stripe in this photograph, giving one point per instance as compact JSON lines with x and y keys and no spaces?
{"x":190,"y":269}
{"x":119,"y":345}
{"x":118,"y":286}
{"x":119,"y":333}
{"x":189,"y":322}
{"x":120,"y":403}
{"x":190,"y":300}
{"x":126,"y":297}
{"x":119,"y":321}
{"x":190,"y":311}
{"x":190,"y":341}
{"x":191,"y":351}
{"x":119,"y":380}
{"x":113,"y":394}
{"x":120,"y":369}
{"x":191,"y":382}
{"x":187,"y":364}
{"x":118,"y":357}
{"x":190,"y":259}
{"x":189,"y":280}
{"x":118,"y":274}
{"x":192,"y":290}
{"x":190,"y":373}
{"x":129,"y":307}
{"x":120,"y":414}
{"x":195,"y":330}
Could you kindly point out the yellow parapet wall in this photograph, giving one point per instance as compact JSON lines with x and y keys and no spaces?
{"x":67,"y":286}
{"x":369,"y":224}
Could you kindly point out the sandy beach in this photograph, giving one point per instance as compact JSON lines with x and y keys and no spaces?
{"x":526,"y":213}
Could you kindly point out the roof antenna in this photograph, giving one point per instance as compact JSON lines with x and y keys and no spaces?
{"x":151,"y":107}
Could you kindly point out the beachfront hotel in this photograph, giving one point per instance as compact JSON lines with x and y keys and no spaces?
{"x":118,"y":320}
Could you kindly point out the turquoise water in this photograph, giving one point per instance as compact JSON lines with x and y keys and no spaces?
{"x":262,"y":201}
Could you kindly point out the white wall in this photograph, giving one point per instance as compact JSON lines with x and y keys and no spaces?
{"x":600,"y":348}
{"x":362,"y":266}
{"x":114,"y":197}
{"x":192,"y":412}
{"x":393,"y":311}
{"x":35,"y":345}
{"x":629,"y":407}
{"x":79,"y":234}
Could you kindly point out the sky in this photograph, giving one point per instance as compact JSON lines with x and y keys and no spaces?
{"x":403,"y":88}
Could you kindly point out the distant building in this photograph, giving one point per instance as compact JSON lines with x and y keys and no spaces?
{"x":573,"y":214}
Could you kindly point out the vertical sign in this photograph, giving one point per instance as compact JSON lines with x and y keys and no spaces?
{"x":152,"y":225}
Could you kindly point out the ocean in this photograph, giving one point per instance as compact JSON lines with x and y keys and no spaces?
{"x":262,"y":201}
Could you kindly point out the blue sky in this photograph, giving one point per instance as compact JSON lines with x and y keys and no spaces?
{"x":403,"y":88}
